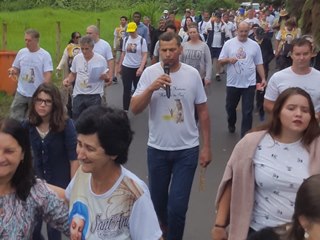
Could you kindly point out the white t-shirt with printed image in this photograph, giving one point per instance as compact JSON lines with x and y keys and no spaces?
{"x":286,"y":78}
{"x":133,"y":50}
{"x":124,"y":212}
{"x":242,"y":74}
{"x":32,"y":66}
{"x":279,"y":171}
{"x":88,"y":74}
{"x":172,"y":124}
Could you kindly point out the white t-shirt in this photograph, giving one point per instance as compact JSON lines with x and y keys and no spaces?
{"x":242,"y":74}
{"x":230,"y":29}
{"x":172,"y":125}
{"x":286,"y":78}
{"x":133,"y":50}
{"x":279,"y":171}
{"x":124,"y":212}
{"x":104,"y":49}
{"x":202,"y":26}
{"x":251,"y":22}
{"x":32,"y":66}
{"x":217,"y":28}
{"x":270,"y":19}
{"x":88,"y":74}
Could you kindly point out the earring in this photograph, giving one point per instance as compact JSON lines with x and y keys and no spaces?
{"x":306,"y":234}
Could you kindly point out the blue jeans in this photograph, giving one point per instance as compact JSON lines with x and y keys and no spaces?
{"x":175,"y":169}
{"x":82,"y":102}
{"x":233,"y":97}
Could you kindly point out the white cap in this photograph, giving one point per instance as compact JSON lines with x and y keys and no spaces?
{"x":165,"y":11}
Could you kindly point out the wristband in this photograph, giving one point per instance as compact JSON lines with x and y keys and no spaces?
{"x":220,"y":226}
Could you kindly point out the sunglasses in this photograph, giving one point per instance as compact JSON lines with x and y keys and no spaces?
{"x":77,"y":37}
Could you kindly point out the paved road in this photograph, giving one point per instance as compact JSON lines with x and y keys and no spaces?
{"x":201,"y":207}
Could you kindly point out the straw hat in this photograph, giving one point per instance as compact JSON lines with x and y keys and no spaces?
{"x":283,"y":13}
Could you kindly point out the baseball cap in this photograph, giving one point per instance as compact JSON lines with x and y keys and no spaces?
{"x":132,"y":27}
{"x":165,"y":11}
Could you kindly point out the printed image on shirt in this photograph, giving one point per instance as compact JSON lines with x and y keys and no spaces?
{"x":29,"y":76}
{"x":79,"y":220}
{"x":175,"y":112}
{"x":241,"y":54}
{"x":85,"y":84}
{"x":289,"y":38}
{"x":132,"y":48}
{"x":105,"y":217}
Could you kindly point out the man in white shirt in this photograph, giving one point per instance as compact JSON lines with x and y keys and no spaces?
{"x":243,"y":57}
{"x":31,"y":67}
{"x":230,"y":27}
{"x":215,"y":41}
{"x":202,"y":26}
{"x":251,"y":19}
{"x":89,"y":71}
{"x":173,"y":145}
{"x":300,"y":74}
{"x":104,"y":49}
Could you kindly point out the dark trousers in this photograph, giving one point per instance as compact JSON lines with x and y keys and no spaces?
{"x":128,"y":78}
{"x":53,"y":234}
{"x":247,"y":98}
{"x":170,"y":181}
{"x":82,"y":102}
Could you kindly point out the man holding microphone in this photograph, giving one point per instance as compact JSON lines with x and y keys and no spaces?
{"x":173,"y":144}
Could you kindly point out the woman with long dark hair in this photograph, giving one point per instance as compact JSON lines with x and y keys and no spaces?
{"x":266,"y":168}
{"x":53,"y":141}
{"x":23,"y":198}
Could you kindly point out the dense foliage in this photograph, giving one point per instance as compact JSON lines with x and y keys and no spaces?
{"x":100,"y":5}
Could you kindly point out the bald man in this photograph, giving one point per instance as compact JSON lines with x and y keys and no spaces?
{"x":103,"y":48}
{"x":243,"y":57}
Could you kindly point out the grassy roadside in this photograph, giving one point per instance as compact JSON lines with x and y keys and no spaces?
{"x":45,"y":21}
{"x":5,"y":102}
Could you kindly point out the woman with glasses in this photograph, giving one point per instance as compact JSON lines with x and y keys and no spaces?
{"x":53,"y":142}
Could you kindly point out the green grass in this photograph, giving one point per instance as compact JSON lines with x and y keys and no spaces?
{"x":45,"y":21}
{"x":5,"y":102}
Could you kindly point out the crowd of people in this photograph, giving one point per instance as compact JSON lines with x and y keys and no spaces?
{"x":62,"y":155}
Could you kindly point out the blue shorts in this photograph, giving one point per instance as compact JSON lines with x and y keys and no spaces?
{"x":215,"y":52}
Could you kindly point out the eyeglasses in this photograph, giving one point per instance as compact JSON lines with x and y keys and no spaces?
{"x":46,"y":102}
{"x":77,"y":37}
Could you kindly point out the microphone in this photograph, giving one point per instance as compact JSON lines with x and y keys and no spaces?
{"x":166,"y":69}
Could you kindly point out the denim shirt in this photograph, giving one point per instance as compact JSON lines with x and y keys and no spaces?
{"x":53,"y":153}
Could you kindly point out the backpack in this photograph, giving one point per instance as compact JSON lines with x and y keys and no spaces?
{"x":126,"y":39}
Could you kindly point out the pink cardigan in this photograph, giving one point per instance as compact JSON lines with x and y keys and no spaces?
{"x":240,"y":171}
